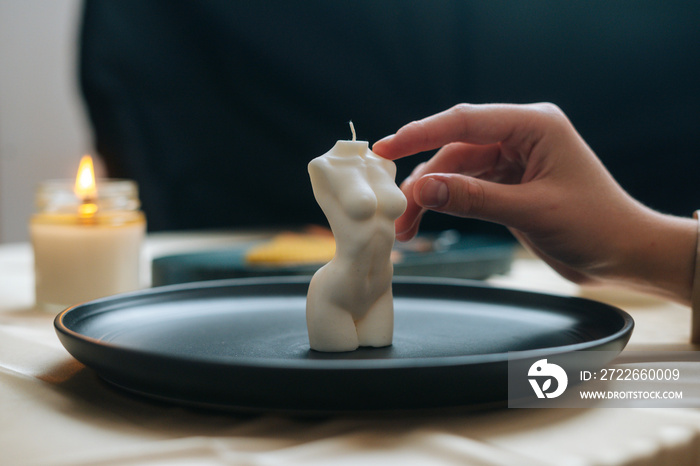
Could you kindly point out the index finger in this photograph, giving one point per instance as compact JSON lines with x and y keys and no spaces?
{"x":477,"y":124}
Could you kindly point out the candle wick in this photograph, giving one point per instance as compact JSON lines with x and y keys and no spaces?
{"x":87,"y":209}
{"x":352,"y":128}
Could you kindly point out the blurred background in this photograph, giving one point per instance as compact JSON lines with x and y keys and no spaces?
{"x":215,"y":107}
{"x":43,"y":126}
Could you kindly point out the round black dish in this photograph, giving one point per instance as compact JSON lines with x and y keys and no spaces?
{"x":242,"y":344}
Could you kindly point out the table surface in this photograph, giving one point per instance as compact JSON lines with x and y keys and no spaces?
{"x":55,"y":411}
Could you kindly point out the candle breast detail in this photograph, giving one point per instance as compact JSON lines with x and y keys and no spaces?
{"x":86,"y":240}
{"x":350,"y":301}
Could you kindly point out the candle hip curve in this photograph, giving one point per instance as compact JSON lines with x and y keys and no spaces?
{"x":350,"y":302}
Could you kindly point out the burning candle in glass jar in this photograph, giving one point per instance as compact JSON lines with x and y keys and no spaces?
{"x":87,"y":239}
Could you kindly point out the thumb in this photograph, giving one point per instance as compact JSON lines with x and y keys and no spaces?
{"x":464,"y":196}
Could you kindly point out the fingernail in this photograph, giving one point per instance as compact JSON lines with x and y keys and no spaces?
{"x":384,"y":139}
{"x":434,"y":194}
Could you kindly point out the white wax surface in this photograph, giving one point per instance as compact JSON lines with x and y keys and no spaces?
{"x":77,"y":263}
{"x":350,"y":302}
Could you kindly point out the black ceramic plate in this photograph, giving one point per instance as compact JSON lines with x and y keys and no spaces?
{"x":242,"y":344}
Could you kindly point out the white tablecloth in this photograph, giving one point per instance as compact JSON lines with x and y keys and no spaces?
{"x":54,"y":411}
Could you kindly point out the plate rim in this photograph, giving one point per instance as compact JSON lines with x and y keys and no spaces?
{"x":624,"y":332}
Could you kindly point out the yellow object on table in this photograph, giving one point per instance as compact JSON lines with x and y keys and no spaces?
{"x":293,"y":249}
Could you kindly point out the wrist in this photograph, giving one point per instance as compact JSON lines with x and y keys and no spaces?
{"x":659,"y":256}
{"x":695,"y":291}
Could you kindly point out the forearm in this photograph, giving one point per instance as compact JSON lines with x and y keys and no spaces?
{"x":659,"y":257}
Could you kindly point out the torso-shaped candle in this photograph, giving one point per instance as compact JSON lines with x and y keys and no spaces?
{"x":350,"y":302}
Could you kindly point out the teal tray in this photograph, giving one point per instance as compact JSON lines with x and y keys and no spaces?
{"x":448,"y":254}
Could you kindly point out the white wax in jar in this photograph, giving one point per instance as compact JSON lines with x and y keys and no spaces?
{"x":89,"y":250}
{"x":77,"y":263}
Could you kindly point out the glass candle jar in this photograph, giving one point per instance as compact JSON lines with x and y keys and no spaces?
{"x":86,"y":248}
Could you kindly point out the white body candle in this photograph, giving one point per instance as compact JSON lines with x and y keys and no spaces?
{"x":350,"y":302}
{"x":78,"y":257}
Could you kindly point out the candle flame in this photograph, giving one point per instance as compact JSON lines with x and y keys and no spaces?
{"x":86,"y":188}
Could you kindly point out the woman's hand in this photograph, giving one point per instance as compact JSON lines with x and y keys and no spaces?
{"x":526,"y":167}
